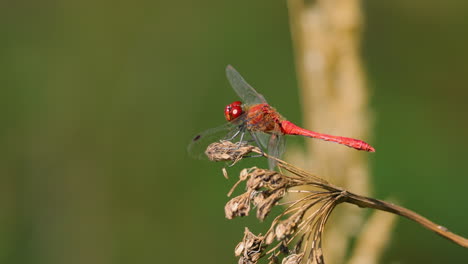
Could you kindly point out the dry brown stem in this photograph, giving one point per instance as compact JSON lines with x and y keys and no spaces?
{"x":297,"y":231}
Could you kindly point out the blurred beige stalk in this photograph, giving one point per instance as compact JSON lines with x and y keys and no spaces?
{"x":326,"y":37}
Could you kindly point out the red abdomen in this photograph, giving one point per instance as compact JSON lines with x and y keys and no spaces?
{"x":291,"y":129}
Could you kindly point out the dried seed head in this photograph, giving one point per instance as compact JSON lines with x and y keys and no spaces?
{"x":252,"y":242}
{"x":238,"y":206}
{"x":227,"y":151}
{"x":244,"y":174}
{"x":267,"y":200}
{"x":293,"y":259}
{"x":225,"y":173}
{"x":275,"y":181}
{"x":239,"y":249}
{"x":256,"y":178}
{"x":251,"y":247}
{"x":255,"y":256}
{"x":288,"y":226}
{"x":270,"y":236}
{"x":243,"y":260}
{"x":260,"y":178}
{"x":259,"y":198}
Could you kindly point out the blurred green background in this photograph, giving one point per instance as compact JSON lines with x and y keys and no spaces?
{"x":99,"y":100}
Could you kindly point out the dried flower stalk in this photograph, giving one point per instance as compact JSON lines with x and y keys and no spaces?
{"x":295,"y":235}
{"x":326,"y":39}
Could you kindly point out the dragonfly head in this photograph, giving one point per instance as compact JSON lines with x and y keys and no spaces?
{"x":233,"y":110}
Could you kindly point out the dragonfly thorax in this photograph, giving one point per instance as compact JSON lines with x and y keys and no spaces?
{"x":264,"y":118}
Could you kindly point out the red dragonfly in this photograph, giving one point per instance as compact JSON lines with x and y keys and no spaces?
{"x":257,"y":119}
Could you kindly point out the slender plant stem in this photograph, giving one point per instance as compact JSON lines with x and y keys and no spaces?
{"x":367,"y":202}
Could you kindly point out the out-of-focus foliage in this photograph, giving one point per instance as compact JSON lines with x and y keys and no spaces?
{"x":99,"y":100}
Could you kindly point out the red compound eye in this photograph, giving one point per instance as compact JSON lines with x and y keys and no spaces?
{"x":233,"y":110}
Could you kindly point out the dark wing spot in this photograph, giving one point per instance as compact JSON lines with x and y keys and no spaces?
{"x":197,"y":137}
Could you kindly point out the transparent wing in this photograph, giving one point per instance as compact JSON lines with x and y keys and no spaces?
{"x":242,"y":88}
{"x":262,"y":139}
{"x":272,"y":144}
{"x":199,"y":143}
{"x":276,"y":148}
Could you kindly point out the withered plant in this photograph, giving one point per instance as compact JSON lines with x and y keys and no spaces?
{"x":295,"y":235}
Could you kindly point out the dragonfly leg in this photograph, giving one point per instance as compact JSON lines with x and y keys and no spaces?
{"x":234,"y":136}
{"x":258,"y":144}
{"x":241,"y":137}
{"x":242,"y":131}
{"x":253,"y":156}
